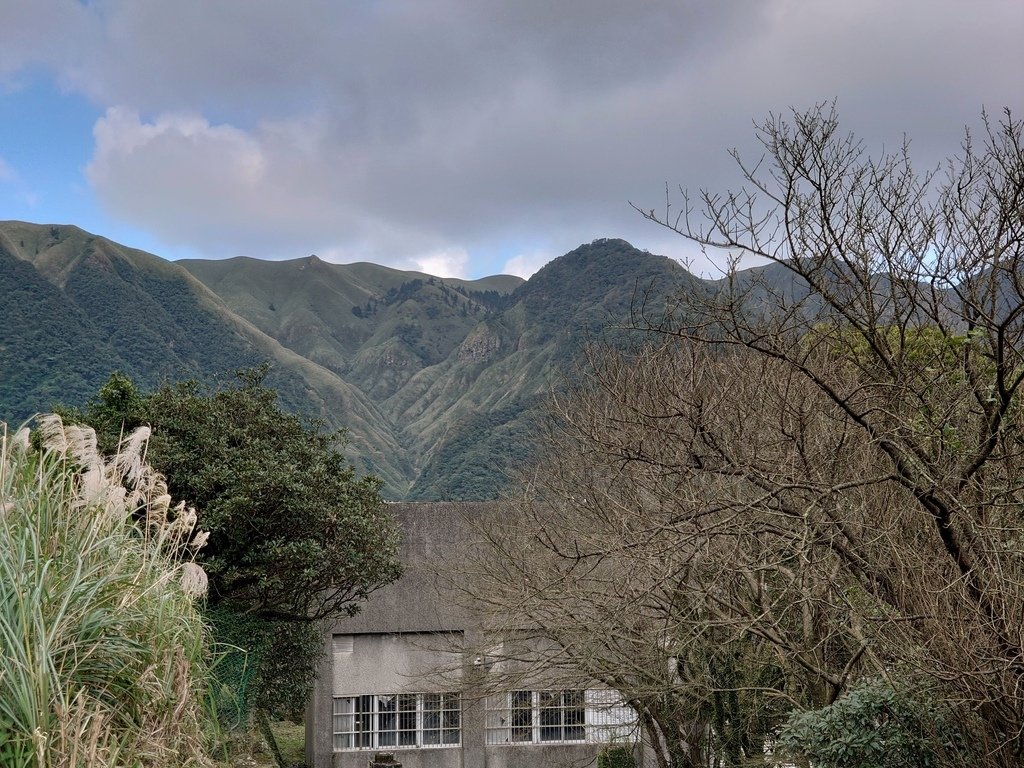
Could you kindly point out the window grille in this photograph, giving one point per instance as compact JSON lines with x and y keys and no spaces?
{"x":397,"y":720}
{"x":558,"y":717}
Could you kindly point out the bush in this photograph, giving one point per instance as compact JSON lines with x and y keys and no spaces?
{"x":295,"y":535}
{"x":876,"y":725}
{"x":616,"y":756}
{"x":103,"y":659}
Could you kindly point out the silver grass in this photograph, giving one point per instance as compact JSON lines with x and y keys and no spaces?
{"x":51,"y":430}
{"x":102,"y":648}
{"x":129,"y":460}
{"x":194,"y":580}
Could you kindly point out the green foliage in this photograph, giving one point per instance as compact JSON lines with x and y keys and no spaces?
{"x":84,"y":307}
{"x":262,"y":665}
{"x":403,"y":292}
{"x":289,"y":654}
{"x":117,"y":407}
{"x":875,"y":725}
{"x":743,"y":684}
{"x":295,"y":536}
{"x":50,"y":351}
{"x":474,"y":464}
{"x":410,"y":333}
{"x":142,"y":311}
{"x":925,"y":350}
{"x":578,"y":295}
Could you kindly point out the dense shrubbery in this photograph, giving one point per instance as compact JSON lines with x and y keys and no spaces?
{"x":295,"y":535}
{"x":878,"y":724}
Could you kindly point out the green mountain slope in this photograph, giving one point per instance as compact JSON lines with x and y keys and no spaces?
{"x":440,"y":381}
{"x":459,"y":369}
{"x":490,"y":391}
{"x":50,"y":350}
{"x":375,"y":326}
{"x":79,"y":306}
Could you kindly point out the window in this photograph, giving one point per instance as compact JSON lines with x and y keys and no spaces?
{"x":539,"y":717}
{"x":562,"y":715}
{"x":397,"y":720}
{"x":441,"y":719}
{"x":522,"y":715}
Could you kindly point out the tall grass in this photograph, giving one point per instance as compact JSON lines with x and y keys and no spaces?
{"x":102,"y":658}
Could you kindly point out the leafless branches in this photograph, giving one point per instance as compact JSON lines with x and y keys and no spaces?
{"x":810,"y":471}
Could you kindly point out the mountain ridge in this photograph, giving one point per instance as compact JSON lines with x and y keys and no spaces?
{"x":438,"y":380}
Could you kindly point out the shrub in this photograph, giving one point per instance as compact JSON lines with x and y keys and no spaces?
{"x":878,"y":725}
{"x":616,"y":756}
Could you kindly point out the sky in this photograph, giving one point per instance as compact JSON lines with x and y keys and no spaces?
{"x":458,"y":137}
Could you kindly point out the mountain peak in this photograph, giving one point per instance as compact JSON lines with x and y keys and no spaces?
{"x":590,"y":270}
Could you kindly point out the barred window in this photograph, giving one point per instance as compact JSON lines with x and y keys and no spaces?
{"x":567,"y":716}
{"x":397,"y":720}
{"x":562,"y":715}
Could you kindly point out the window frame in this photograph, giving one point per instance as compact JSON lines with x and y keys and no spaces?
{"x":516,"y":718}
{"x":396,"y":721}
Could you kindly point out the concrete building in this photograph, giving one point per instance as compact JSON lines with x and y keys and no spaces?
{"x":407,"y":676}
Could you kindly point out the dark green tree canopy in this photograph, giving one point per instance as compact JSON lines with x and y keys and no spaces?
{"x":294,"y":534}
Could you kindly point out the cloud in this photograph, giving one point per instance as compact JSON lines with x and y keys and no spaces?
{"x":43,"y":33}
{"x":258,"y":192}
{"x":7,"y":173}
{"x":444,"y":263}
{"x":210,"y":178}
{"x":391,"y":131}
{"x":525,"y":264}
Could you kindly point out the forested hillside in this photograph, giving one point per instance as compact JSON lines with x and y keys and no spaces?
{"x":78,"y":307}
{"x":440,"y":382}
{"x":460,"y":369}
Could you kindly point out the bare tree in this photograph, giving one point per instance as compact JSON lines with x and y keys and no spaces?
{"x":904,"y":320}
{"x":813,"y":470}
{"x":649,"y":578}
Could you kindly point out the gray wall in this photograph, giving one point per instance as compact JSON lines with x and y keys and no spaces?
{"x":418,"y":603}
{"x":410,"y":662}
{"x":421,"y":602}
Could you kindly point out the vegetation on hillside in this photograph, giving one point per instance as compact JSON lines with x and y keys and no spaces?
{"x":392,"y":355}
{"x":82,"y":293}
{"x":42,"y":344}
{"x":485,"y":449}
{"x":81,"y":307}
{"x":409,"y":342}
{"x":595,"y":288}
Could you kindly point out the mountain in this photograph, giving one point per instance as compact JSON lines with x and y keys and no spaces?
{"x":78,"y":307}
{"x":373,"y":325}
{"x":439,"y":381}
{"x":458,"y":368}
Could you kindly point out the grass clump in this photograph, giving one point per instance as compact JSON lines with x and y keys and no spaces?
{"x":102,"y":648}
